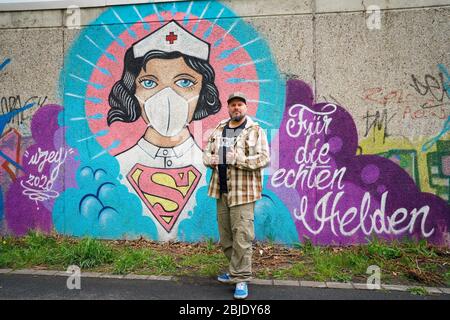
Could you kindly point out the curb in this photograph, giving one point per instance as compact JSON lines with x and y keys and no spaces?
{"x":274,"y":282}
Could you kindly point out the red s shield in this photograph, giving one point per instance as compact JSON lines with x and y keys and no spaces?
{"x":165,"y":192}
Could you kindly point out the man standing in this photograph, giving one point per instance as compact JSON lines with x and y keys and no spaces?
{"x":237,"y":150}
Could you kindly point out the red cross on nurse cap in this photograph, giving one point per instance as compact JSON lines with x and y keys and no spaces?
{"x":172,"y":37}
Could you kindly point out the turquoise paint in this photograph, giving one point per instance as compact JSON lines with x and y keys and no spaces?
{"x":201,"y":223}
{"x":446,"y":83}
{"x":272,"y":219}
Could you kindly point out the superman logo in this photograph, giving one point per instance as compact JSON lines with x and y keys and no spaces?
{"x":165,"y":192}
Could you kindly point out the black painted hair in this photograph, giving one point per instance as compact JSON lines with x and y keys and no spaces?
{"x":125,"y":106}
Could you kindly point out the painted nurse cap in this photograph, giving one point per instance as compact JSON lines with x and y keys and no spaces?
{"x":172,"y":37}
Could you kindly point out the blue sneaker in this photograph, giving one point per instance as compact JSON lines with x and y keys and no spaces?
{"x":224,"y":278}
{"x":241,"y":291}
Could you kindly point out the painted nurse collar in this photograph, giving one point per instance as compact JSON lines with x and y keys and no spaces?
{"x":171,"y":156}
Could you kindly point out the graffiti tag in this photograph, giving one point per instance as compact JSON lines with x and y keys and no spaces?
{"x":377,"y":121}
{"x":311,"y":158}
{"x":39,"y":187}
{"x":316,"y":172}
{"x":436,"y":87}
{"x":378,"y":221}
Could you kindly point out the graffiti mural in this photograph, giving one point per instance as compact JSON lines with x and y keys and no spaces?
{"x":418,"y":155}
{"x":141,"y":89}
{"x":337,"y":197}
{"x":143,"y":102}
{"x":174,"y":86}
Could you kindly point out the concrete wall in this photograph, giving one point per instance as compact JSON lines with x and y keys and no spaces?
{"x":383,"y":141}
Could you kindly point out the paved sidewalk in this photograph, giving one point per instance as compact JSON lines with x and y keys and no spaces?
{"x":44,"y":284}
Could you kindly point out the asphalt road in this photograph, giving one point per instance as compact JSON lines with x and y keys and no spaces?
{"x":31,"y":287}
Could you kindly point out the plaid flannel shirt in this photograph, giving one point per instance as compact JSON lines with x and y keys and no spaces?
{"x":244,"y":175}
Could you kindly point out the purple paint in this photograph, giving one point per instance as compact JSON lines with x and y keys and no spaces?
{"x":335,"y":144}
{"x":30,"y":199}
{"x":381,"y":188}
{"x":370,"y":174}
{"x":338,"y":198}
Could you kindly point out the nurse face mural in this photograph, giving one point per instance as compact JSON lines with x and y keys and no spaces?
{"x":168,"y":81}
{"x":169,"y":88}
{"x":141,"y":107}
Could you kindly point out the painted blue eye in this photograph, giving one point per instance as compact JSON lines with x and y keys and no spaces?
{"x":148,"y":84}
{"x":184,"y":83}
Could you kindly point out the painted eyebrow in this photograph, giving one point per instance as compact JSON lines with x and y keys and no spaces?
{"x":185,"y":74}
{"x":146,"y":76}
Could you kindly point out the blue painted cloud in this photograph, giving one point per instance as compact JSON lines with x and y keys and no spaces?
{"x":101,"y":208}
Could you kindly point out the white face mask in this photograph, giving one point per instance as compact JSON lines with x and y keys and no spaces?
{"x":167,"y":112}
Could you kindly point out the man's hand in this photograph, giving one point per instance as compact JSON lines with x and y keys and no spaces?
{"x":214,"y":160}
{"x":231,"y":157}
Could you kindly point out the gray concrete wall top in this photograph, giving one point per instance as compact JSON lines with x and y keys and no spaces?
{"x":326,"y":6}
{"x":34,"y":18}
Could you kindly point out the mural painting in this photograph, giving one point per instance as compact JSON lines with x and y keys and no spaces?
{"x":121,"y":157}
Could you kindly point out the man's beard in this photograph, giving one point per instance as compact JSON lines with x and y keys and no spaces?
{"x":238,"y":118}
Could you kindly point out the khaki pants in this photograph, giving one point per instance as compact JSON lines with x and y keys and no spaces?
{"x":236,"y":232}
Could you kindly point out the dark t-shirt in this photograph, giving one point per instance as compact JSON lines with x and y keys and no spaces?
{"x":229,"y":136}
